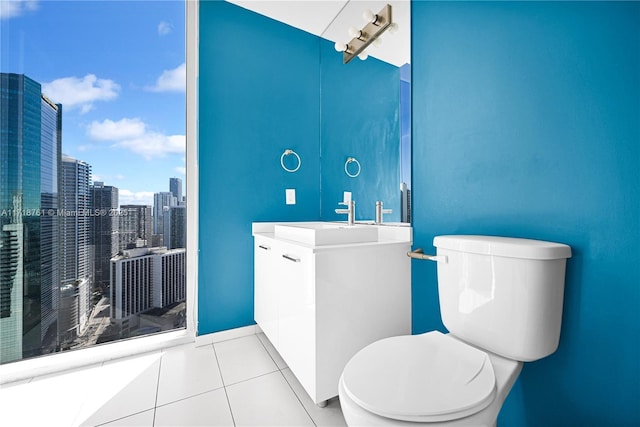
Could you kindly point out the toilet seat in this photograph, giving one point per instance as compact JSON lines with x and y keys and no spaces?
{"x":422,"y":378}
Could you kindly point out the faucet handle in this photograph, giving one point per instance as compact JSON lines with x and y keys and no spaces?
{"x":350,"y":211}
{"x":380,"y":211}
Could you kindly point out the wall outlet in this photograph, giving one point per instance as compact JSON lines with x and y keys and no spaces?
{"x":290,"y":195}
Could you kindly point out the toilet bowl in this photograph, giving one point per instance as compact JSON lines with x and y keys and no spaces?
{"x":428,"y":379}
{"x":501,"y":301}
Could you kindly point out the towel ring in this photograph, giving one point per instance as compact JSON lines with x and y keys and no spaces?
{"x":346,"y":167}
{"x":286,"y":153}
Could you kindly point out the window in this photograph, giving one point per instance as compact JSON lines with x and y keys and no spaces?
{"x":93,"y":156}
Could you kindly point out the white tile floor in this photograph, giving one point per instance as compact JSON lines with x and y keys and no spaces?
{"x":241,"y":382}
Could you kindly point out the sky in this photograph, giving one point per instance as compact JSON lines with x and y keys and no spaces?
{"x":118,"y":69}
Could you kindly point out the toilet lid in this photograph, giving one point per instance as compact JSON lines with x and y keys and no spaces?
{"x":427,"y":377}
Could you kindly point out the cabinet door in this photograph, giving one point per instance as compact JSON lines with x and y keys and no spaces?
{"x":297,"y":313}
{"x":265,"y":289}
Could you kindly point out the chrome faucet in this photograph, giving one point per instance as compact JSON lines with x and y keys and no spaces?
{"x":380,"y":212}
{"x":350,"y":211}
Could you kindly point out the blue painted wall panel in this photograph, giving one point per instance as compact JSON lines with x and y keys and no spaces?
{"x":261,"y":93}
{"x":526,"y":122}
{"x":256,"y":99}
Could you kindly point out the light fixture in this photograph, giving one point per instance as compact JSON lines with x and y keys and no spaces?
{"x":376,"y":25}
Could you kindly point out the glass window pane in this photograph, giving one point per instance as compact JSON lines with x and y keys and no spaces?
{"x":92,"y":168}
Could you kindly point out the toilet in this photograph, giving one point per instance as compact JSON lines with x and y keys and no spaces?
{"x":501,"y":301}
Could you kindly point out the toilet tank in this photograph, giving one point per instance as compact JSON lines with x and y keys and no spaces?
{"x":502,"y":294}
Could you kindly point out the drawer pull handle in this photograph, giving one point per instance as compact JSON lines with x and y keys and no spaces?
{"x":291,"y":258}
{"x":266,"y":248}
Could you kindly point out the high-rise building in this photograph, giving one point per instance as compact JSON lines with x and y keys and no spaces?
{"x":76,"y":226}
{"x":161,"y":203}
{"x":30,"y":156}
{"x":171,"y":276}
{"x":131,"y":285}
{"x":142,"y":279}
{"x":175,"y":187}
{"x":136,"y":226}
{"x":156,"y":241}
{"x":174,"y":227}
{"x":104,"y":203}
{"x":68,"y":313}
{"x":50,"y":165}
{"x":11,"y":285}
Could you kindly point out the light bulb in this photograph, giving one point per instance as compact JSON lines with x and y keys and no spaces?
{"x":369,"y":16}
{"x":340,"y":47}
{"x":354,"y":32}
{"x":377,"y":42}
{"x":393,"y":28}
{"x":363,"y":56}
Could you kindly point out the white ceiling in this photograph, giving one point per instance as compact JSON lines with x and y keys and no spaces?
{"x":331,"y":20}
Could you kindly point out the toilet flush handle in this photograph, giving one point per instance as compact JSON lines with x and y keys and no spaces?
{"x":419,"y":254}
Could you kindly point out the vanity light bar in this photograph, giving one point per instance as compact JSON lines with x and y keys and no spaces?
{"x":368,"y":34}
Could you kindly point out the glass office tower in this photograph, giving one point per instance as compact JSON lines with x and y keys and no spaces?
{"x":76,"y":255}
{"x":30,"y":144}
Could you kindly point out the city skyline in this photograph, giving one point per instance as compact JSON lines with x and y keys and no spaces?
{"x":95,"y":97}
{"x":60,"y":236}
{"x":105,"y":79}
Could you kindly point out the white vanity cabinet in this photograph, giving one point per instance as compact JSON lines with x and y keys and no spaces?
{"x":266,"y":304}
{"x":285,"y":301}
{"x":319,"y":305}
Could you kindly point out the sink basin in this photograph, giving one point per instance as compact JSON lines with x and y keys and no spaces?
{"x":325,"y":233}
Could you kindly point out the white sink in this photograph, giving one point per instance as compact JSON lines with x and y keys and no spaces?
{"x":326,"y":233}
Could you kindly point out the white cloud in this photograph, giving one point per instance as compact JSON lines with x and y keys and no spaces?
{"x":174,"y":80}
{"x":165,"y":28}
{"x":74,"y":92}
{"x":13,"y":8}
{"x":153,"y":144}
{"x":128,"y":197}
{"x":181,"y":170}
{"x":108,"y":130}
{"x":133,"y":135}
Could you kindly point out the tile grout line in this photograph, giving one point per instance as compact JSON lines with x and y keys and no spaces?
{"x":121,"y":418}
{"x":137,"y":412}
{"x":268,"y":352}
{"x":285,"y":380}
{"x":155,"y":402}
{"x":224,"y":386}
{"x":182,"y":399}
{"x":297,"y":397}
{"x":144,"y":410}
{"x":252,"y":378}
{"x":192,"y":395}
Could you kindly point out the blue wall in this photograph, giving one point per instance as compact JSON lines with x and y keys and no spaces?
{"x":260,"y":93}
{"x":256,"y":99}
{"x":526,"y":122}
